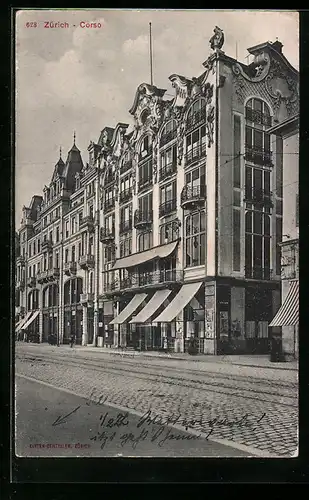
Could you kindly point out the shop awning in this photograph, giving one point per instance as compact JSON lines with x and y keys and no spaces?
{"x":182,"y":298}
{"x":20,"y":324}
{"x":31,"y":319}
{"x":129,"y":309}
{"x":151,"y":307}
{"x":135,"y":259}
{"x":288,"y":314}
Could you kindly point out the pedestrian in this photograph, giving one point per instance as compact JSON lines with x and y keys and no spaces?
{"x":72,"y":339}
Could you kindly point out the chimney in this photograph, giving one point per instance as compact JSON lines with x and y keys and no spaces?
{"x":277,"y":46}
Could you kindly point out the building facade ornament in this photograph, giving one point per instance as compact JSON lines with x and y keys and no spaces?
{"x":217,"y":40}
{"x":210,"y":125}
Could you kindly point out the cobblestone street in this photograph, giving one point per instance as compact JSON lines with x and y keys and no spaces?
{"x":257,"y":408}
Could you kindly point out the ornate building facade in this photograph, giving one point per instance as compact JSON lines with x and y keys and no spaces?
{"x":176,"y":224}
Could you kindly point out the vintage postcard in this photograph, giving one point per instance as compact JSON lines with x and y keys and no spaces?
{"x":156,"y":243}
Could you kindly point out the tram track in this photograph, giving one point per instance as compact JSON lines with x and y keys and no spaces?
{"x":216,"y":382}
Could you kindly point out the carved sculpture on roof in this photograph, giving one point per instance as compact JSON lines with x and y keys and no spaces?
{"x":217,"y":40}
{"x":182,"y":88}
{"x":196,"y":87}
{"x":282,"y":89}
{"x":256,"y":71}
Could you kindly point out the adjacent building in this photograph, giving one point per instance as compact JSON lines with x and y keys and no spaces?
{"x":172,"y":230}
{"x":287,"y":317}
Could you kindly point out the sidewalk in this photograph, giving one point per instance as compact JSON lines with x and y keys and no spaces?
{"x":254,"y":361}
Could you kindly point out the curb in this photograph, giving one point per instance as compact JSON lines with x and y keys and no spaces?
{"x":189,"y":359}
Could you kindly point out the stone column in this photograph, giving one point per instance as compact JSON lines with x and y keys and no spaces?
{"x":85,"y":326}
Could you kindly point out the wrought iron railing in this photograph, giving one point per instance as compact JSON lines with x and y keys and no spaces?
{"x":193,"y":193}
{"x":125,"y":195}
{"x":258,"y":156}
{"x":168,"y":137}
{"x":167,"y":170}
{"x":125,"y":166}
{"x":142,"y":217}
{"x":255,"y":116}
{"x":167,"y":207}
{"x":196,"y":118}
{"x":195,"y":153}
{"x":125,"y":226}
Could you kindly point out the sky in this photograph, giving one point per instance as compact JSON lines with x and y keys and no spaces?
{"x":83,"y":79}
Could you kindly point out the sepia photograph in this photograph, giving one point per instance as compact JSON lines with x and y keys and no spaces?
{"x":156,"y":286}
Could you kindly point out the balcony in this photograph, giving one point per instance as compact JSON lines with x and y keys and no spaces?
{"x":42,"y":277}
{"x":125,"y":195}
{"x":53,"y":274}
{"x":47,"y":246}
{"x":125,"y":226}
{"x":167,"y":207}
{"x":258,"y":156}
{"x":168,"y":137}
{"x":144,"y":183}
{"x":125,"y":166}
{"x":109,"y":204}
{"x":258,"y":273}
{"x":86,"y":298}
{"x":151,"y":278}
{"x":112,"y":286}
{"x":31,"y":282}
{"x":167,"y":171}
{"x":86,"y":261}
{"x":107,"y":235}
{"x":20,"y":284}
{"x":142,"y":219}
{"x":195,"y":154}
{"x":196,"y":119}
{"x":259,"y":197}
{"x":87,"y":223}
{"x":192,"y":196}
{"x":255,"y":116}
{"x":70,"y":268}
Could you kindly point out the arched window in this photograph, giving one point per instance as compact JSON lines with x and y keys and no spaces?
{"x":258,"y":120}
{"x":145,"y":162}
{"x":195,"y":241}
{"x":33,"y":300}
{"x":168,"y":133}
{"x":196,"y":132}
{"x":169,"y":231}
{"x":72,"y":291}
{"x":126,"y":163}
{"x":145,"y":241}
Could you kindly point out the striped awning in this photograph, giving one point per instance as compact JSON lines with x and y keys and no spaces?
{"x":31,"y":319}
{"x":137,"y":301}
{"x":288,"y":314}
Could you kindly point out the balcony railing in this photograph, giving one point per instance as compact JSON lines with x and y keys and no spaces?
{"x":86,"y":261}
{"x":42,"y":277}
{"x":259,"y":197}
{"x":259,"y":273}
{"x":167,"y":170}
{"x":47,"y":245}
{"x":53,"y":274}
{"x":70,"y":267}
{"x":167,"y":207}
{"x":168,"y":137}
{"x":86,"y":298}
{"x":126,"y":195}
{"x":87,"y":222}
{"x":107,"y":235}
{"x":111,"y":286}
{"x":125,"y":226}
{"x":196,"y":118}
{"x":143,"y":183}
{"x":20,"y":260}
{"x":152,"y":278}
{"x":192,"y":196}
{"x":31,"y":282}
{"x":195,"y":154}
{"x":109,"y":204}
{"x":125,"y":166}
{"x":258,"y":156}
{"x":258,"y":117}
{"x":142,"y":218}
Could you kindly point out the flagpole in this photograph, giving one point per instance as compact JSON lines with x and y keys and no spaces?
{"x":150,"y":53}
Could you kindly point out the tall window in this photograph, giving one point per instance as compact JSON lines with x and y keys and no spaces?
{"x":57,"y":260}
{"x":125,"y":247}
{"x":126,"y":184}
{"x":195,"y":240}
{"x":126,"y":163}
{"x":73,"y":253}
{"x":236,"y":193}
{"x":57,"y":234}
{"x":169,"y":230}
{"x":67,"y":229}
{"x":196,"y":181}
{"x":72,"y":291}
{"x":196,"y":144}
{"x":168,"y":162}
{"x":168,"y":198}
{"x":168,"y":133}
{"x":126,"y":218}
{"x":66,"y":255}
{"x":73,"y":225}
{"x":39,"y":245}
{"x":257,"y":245}
{"x":145,"y":204}
{"x":145,"y":173}
{"x":109,"y":198}
{"x":109,"y":224}
{"x":258,"y":119}
{"x":146,"y":147}
{"x":145,"y":241}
